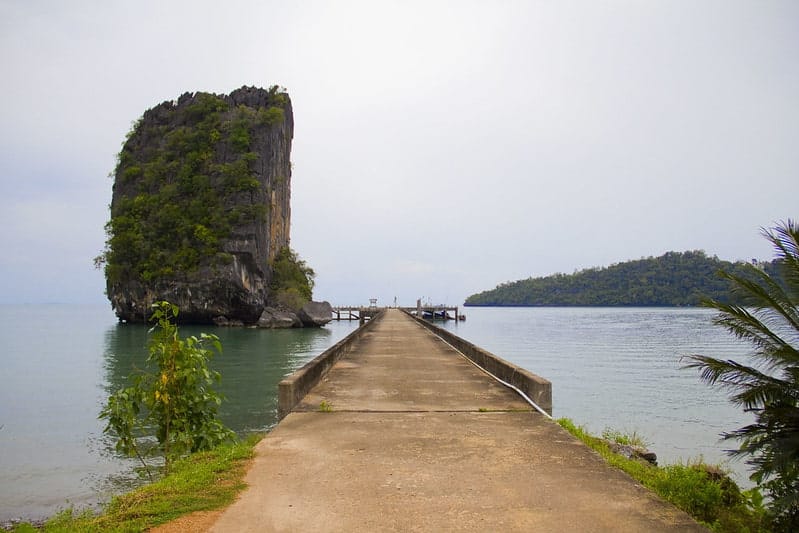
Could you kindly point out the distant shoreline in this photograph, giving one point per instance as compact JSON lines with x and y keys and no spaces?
{"x":675,"y":279}
{"x":591,"y":306}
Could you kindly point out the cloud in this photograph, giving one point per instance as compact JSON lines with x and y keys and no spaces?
{"x":440,"y":147}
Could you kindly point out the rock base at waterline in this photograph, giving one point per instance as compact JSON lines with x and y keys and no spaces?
{"x":312,"y":314}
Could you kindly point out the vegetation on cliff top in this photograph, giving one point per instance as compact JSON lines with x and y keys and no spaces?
{"x":673,"y":279}
{"x":187,"y":172}
{"x":292,"y":280}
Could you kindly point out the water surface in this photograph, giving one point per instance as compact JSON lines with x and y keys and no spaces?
{"x":621,"y":368}
{"x":610,"y":368}
{"x":59,"y":365}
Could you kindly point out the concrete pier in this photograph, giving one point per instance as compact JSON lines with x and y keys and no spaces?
{"x":404,"y":433}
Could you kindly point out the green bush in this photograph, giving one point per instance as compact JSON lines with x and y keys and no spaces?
{"x":270,"y":116}
{"x":290,"y":298}
{"x":177,"y":399}
{"x":691,"y":490}
{"x":703,"y":491}
{"x":628,"y":439}
{"x":292,"y":280}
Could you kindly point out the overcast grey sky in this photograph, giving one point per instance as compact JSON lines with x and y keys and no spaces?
{"x":440,"y":147}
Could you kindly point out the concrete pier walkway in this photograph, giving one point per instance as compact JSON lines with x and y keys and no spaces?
{"x":419,"y":439}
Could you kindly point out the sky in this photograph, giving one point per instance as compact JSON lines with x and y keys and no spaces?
{"x":440,"y":148}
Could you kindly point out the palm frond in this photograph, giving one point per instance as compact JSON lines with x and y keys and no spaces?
{"x":773,"y":350}
{"x":763,"y":293}
{"x":754,"y":388}
{"x":785,"y":239}
{"x":768,"y":319}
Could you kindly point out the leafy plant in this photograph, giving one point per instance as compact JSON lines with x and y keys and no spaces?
{"x":769,"y":320}
{"x":177,"y":401}
{"x":270,"y":115}
{"x":292,"y":280}
{"x":628,"y":439}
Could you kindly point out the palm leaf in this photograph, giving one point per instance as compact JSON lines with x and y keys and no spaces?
{"x":769,"y":387}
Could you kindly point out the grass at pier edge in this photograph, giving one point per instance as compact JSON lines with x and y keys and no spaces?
{"x":203,"y":481}
{"x":211,"y":480}
{"x":703,"y":491}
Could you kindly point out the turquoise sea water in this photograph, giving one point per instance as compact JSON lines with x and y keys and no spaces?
{"x":59,"y":364}
{"x":616,"y":368}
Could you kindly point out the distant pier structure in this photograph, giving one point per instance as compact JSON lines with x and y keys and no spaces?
{"x":426,"y":311}
{"x":435,"y":312}
{"x":361,"y":314}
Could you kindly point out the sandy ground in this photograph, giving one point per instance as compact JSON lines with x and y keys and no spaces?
{"x":200,"y":521}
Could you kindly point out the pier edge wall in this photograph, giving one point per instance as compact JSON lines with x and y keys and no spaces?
{"x":296,"y":385}
{"x":538,"y":389}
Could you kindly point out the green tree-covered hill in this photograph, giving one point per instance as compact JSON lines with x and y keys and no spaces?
{"x":673,"y":279}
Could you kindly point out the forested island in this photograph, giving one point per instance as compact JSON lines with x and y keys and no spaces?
{"x":673,"y":279}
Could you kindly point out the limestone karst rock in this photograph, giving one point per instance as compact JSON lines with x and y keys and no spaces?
{"x":201,"y":206}
{"x":273,"y":318}
{"x":315,"y":313}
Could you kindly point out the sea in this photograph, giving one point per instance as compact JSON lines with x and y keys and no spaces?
{"x":618,"y":369}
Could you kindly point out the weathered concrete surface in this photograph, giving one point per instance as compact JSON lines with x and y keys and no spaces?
{"x":536,"y":388}
{"x":293,"y":388}
{"x":421,"y":440}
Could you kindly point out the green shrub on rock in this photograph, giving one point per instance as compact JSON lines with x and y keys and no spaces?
{"x":292,"y":280}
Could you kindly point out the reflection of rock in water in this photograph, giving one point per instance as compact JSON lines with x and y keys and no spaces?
{"x":54,"y":453}
{"x":251,"y":364}
{"x":125,"y":352}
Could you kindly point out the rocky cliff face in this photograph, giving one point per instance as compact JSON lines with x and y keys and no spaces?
{"x":201,"y":206}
